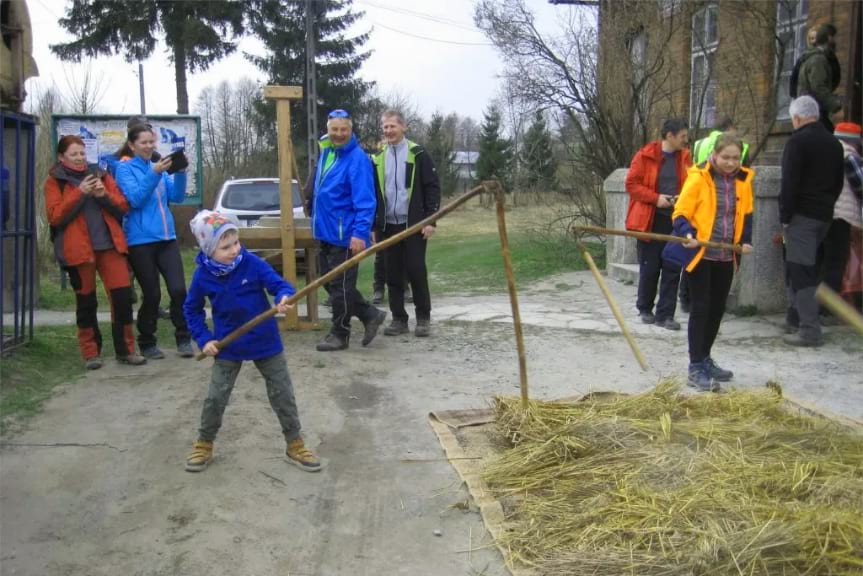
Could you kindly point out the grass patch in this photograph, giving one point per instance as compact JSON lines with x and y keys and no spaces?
{"x":30,"y":373}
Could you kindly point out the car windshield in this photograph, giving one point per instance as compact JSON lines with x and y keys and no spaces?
{"x":256,"y":196}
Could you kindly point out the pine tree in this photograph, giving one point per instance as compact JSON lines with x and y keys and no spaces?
{"x":537,"y":155}
{"x":495,"y":152}
{"x":439,"y":145}
{"x":281,"y":26}
{"x":197,"y":33}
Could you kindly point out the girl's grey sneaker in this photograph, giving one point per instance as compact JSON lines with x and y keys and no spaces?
{"x":152,"y":353}
{"x":718,"y":374}
{"x":700,"y":378}
{"x":93,"y":363}
{"x":132,"y":359}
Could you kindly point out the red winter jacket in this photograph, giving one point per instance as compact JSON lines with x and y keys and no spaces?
{"x":641,"y":184}
{"x":63,"y":204}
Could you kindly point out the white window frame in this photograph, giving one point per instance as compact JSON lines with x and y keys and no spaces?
{"x":795,"y":30}
{"x":702,"y":96}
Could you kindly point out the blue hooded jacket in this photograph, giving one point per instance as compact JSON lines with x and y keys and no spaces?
{"x":345,"y":200}
{"x":236,"y":298}
{"x":149,"y":192}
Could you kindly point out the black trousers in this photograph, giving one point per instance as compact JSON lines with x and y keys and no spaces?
{"x":406,"y":262}
{"x":149,"y":261}
{"x":653,"y":270}
{"x":380,"y":271}
{"x":834,"y":254}
{"x":709,"y":284}
{"x":346,"y":299}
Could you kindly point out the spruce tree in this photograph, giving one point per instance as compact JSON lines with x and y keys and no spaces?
{"x":439,"y":146}
{"x":537,"y":155}
{"x":495,"y":152}
{"x":281,"y":26}
{"x":197,"y":33}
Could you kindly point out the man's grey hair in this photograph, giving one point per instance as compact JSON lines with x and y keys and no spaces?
{"x":804,"y":107}
{"x":394,"y":114}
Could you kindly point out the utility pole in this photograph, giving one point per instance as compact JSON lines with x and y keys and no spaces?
{"x":311,"y":87}
{"x":141,"y":87}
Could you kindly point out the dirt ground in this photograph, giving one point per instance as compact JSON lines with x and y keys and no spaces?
{"x":95,"y":484}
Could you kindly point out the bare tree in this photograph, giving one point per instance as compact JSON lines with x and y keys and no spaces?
{"x":84,"y":89}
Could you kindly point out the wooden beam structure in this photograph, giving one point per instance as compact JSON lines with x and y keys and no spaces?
{"x":286,"y":236}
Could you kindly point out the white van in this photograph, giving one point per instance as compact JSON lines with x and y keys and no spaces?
{"x":250,"y":199}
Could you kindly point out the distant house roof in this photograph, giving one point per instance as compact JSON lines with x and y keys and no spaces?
{"x":465,"y":157}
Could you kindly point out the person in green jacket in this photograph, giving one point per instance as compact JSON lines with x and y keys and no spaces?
{"x":703,"y":148}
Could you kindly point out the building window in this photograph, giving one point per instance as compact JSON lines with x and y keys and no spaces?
{"x":668,"y":7}
{"x":791,"y":16}
{"x":638,"y":58}
{"x":705,"y":41}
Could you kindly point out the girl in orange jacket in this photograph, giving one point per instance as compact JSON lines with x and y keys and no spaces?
{"x":715,"y":205}
{"x":85,"y":210}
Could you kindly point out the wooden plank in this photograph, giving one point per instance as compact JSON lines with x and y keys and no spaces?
{"x":283,"y":92}
{"x":271,"y":238}
{"x":286,"y":197}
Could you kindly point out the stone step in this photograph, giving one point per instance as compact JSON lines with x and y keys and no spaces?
{"x":624,"y":272}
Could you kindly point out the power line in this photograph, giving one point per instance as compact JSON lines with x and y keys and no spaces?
{"x":397,"y":31}
{"x":425,"y":16}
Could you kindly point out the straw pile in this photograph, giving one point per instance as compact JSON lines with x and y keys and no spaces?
{"x":668,"y":484}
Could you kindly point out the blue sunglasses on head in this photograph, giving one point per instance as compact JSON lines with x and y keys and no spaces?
{"x":339,"y":113}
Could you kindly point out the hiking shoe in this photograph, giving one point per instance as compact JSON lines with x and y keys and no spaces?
{"x":797,"y":340}
{"x":396,"y":327}
{"x":93,"y":363}
{"x":700,"y":378}
{"x":378,"y":296}
{"x":668,"y":324}
{"x":302,"y":457}
{"x":647,"y":317}
{"x":422,"y":329}
{"x":152,"y":353}
{"x":790,"y":329}
{"x":331,"y":343}
{"x":200,"y":456}
{"x":372,"y":327}
{"x":132,"y":359}
{"x":184,"y":349}
{"x":718,"y":374}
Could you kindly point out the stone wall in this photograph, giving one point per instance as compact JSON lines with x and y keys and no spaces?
{"x":760,"y":278}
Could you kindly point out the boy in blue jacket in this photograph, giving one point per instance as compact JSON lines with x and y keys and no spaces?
{"x":236,"y":283}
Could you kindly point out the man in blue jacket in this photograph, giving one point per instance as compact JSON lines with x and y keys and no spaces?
{"x":342,"y":213}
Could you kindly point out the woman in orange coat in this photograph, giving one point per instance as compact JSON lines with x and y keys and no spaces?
{"x":715,"y":205}
{"x":85,"y":209}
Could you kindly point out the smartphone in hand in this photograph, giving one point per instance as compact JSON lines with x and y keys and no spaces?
{"x":178,"y":161}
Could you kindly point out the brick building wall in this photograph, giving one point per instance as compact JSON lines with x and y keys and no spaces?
{"x":744,"y":62}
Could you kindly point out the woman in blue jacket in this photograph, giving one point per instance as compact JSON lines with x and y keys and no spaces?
{"x":153,"y":248}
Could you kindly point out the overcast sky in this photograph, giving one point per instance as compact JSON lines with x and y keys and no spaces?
{"x":426,"y":50}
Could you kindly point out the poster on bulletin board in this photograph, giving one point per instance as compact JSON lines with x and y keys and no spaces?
{"x":103,"y":135}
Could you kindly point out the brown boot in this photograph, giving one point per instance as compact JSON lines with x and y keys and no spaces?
{"x":302,"y":457}
{"x":200,"y":456}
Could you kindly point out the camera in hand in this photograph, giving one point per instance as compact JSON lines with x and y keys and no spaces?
{"x":178,"y":161}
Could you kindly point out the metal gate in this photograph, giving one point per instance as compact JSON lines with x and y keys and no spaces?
{"x":18,"y":224}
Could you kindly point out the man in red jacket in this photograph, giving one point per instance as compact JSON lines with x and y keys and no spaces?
{"x":654,"y":180}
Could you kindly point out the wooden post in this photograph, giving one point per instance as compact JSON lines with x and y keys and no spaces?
{"x":615,"y":309}
{"x":513,"y":295}
{"x":283,"y":96}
